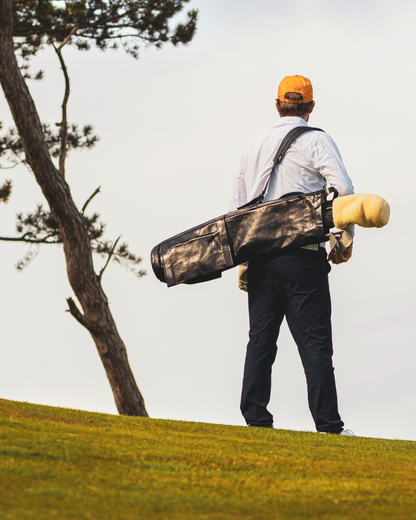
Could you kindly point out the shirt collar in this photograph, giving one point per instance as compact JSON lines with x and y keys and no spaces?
{"x":291,"y":121}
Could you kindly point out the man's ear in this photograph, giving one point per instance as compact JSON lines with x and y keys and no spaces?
{"x":312,"y":107}
{"x":277,"y":106}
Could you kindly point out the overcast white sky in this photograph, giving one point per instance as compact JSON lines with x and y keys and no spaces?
{"x":172,"y":126}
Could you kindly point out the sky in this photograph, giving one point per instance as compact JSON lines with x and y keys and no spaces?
{"x":172,"y":126}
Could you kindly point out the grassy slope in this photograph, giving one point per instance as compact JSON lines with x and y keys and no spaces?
{"x":67,"y":464}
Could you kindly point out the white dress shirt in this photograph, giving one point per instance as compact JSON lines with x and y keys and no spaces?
{"x":312,"y":161}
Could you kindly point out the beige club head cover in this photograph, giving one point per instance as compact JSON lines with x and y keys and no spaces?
{"x":363,"y":209}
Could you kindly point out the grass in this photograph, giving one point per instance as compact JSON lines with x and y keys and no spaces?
{"x":68,"y":464}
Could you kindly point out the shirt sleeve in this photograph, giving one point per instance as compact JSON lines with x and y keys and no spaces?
{"x":328,"y":162}
{"x":238,"y":190}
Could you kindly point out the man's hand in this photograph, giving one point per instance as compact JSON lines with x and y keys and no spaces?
{"x":242,"y":277}
{"x":340,"y":258}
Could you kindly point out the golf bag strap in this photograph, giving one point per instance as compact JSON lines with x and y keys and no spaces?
{"x":283,"y":148}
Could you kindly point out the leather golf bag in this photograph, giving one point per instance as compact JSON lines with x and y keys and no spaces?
{"x":255,"y":230}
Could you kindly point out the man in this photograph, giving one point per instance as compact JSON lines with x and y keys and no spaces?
{"x":293,"y":283}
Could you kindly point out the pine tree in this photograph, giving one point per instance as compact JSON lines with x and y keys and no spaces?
{"x":27,"y":26}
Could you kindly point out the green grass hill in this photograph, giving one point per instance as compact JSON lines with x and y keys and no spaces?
{"x":57,"y":463}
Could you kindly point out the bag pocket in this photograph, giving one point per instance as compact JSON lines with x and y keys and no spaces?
{"x":198,"y":255}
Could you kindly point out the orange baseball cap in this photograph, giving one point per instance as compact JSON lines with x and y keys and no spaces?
{"x":295,"y":84}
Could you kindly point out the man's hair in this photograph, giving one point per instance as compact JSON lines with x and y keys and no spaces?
{"x":293,"y":109}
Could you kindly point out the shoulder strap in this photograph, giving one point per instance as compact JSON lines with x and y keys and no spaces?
{"x":284,"y":147}
{"x":288,"y":140}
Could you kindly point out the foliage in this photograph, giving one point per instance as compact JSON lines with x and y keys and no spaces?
{"x":66,"y":464}
{"x":40,"y":227}
{"x":11,"y":148}
{"x":103,"y":23}
{"x":5,"y":191}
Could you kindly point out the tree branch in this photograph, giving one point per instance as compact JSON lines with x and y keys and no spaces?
{"x":84,"y":207}
{"x":109,"y":258}
{"x":77,"y":314}
{"x":30,"y":240}
{"x":64,"y":123}
{"x":10,"y":167}
{"x":66,"y":40}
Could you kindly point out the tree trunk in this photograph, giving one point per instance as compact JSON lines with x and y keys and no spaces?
{"x":86,"y":285}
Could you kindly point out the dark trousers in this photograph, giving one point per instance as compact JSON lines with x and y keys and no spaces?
{"x":293,"y":284}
